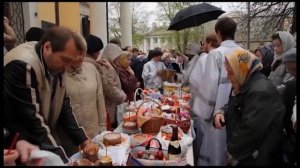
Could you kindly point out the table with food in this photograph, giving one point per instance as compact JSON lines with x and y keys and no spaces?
{"x":155,"y":131}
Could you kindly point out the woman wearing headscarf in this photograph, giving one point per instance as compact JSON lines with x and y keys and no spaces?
{"x":84,"y":87}
{"x":282,"y":42}
{"x":114,"y":95}
{"x":254,"y":114}
{"x":128,"y":80}
{"x":266,"y":55}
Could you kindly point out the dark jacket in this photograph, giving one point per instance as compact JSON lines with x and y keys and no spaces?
{"x":266,"y":71}
{"x":254,"y":123}
{"x":128,"y":82}
{"x":24,"y":109}
{"x":289,"y":101}
{"x":174,"y":66}
{"x":137,"y":65}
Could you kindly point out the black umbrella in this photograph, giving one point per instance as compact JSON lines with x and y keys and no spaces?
{"x":194,"y":15}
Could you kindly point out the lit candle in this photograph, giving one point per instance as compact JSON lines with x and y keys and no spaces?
{"x":106,"y":149}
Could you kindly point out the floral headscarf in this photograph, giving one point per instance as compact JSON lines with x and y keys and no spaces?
{"x":243,"y":64}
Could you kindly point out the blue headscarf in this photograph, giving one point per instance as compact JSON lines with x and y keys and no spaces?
{"x":267,"y":53}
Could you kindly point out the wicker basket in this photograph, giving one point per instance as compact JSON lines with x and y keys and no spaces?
{"x":167,"y":74}
{"x":152,"y":126}
{"x":183,"y":124}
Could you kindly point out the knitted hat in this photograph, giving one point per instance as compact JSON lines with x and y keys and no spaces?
{"x":94,"y":44}
{"x":34,"y":34}
{"x":111,"y":52}
{"x":289,"y":55}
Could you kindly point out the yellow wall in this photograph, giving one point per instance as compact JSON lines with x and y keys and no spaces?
{"x":69,"y":15}
{"x":46,"y":11}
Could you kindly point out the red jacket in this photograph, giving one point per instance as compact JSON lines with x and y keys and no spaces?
{"x":128,"y":82}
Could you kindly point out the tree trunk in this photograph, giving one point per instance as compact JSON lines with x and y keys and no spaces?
{"x":185,"y":39}
{"x":178,"y":41}
{"x":248,"y":26}
{"x":293,"y":27}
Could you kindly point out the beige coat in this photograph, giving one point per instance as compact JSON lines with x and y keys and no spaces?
{"x":114,"y":95}
{"x":87,"y":99}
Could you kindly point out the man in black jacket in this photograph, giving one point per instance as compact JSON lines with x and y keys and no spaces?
{"x":34,"y":91}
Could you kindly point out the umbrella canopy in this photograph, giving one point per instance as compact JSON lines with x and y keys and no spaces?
{"x":195,"y":15}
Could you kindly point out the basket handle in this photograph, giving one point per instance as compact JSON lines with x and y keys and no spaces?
{"x":148,"y":145}
{"x":136,"y":93}
{"x":146,"y":102}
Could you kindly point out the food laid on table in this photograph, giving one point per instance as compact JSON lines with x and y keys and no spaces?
{"x":151,"y":154}
{"x":139,"y":139}
{"x":129,"y":116}
{"x":112,"y":139}
{"x":88,"y":156}
{"x":129,"y":125}
{"x":91,"y":152}
{"x":146,"y":132}
{"x":83,"y":162}
{"x":150,"y":117}
{"x":167,"y":131}
{"x":174,"y":147}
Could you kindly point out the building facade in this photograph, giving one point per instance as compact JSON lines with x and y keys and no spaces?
{"x":160,"y":37}
{"x":24,"y":15}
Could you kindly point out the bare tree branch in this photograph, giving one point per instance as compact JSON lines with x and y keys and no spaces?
{"x":266,"y":18}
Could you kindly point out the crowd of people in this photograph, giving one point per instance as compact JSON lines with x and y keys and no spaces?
{"x":61,"y":89}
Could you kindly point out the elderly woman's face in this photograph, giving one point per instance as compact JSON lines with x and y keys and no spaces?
{"x":231,"y":77}
{"x":278,"y":47}
{"x":78,"y":62}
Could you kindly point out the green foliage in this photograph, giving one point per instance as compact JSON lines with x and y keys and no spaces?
{"x":137,"y":39}
{"x":139,"y":18}
{"x":167,"y":11}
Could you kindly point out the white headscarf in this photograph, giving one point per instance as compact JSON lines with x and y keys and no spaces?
{"x":288,"y":42}
{"x":111,"y":52}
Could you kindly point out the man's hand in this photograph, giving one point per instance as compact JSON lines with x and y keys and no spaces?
{"x":85,"y":143}
{"x":9,"y":159}
{"x":218,"y":118}
{"x":24,"y":148}
{"x":6,"y":21}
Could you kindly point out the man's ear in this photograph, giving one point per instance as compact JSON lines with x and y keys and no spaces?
{"x":47,"y":47}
